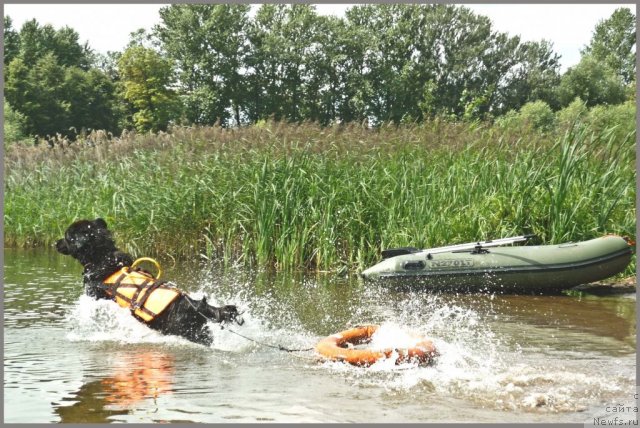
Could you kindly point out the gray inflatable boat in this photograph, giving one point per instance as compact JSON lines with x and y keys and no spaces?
{"x":490,"y":265}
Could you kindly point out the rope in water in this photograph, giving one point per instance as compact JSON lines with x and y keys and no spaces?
{"x":279,"y":347}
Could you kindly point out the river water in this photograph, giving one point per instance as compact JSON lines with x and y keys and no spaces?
{"x":68,"y":358}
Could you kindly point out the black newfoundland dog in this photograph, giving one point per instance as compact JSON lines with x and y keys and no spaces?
{"x":90,"y":242}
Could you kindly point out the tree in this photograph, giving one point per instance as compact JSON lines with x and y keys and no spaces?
{"x":533,"y":115}
{"x":55,"y":99}
{"x":48,"y":79}
{"x":469,"y":60}
{"x":613,"y":42}
{"x":13,"y":124}
{"x":37,"y":41}
{"x":538,"y":114}
{"x":533,"y":76}
{"x":11,"y":41}
{"x":275,"y":64}
{"x":350,"y":55}
{"x":208,"y":44}
{"x":90,"y":99}
{"x":266,"y":63}
{"x":572,"y":113}
{"x":146,"y":78}
{"x":335,"y":85}
{"x":288,"y":62}
{"x":396,"y":60}
{"x":593,"y":82}
{"x":320,"y":72}
{"x":390,"y":62}
{"x":37,"y":92}
{"x":424,"y":60}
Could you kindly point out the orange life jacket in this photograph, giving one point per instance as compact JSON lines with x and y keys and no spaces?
{"x":140,"y":292}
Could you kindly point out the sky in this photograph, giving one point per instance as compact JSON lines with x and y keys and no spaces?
{"x":107,"y":26}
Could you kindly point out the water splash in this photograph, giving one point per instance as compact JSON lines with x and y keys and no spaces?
{"x":477,"y":364}
{"x":480,"y":360}
{"x":103,"y":320}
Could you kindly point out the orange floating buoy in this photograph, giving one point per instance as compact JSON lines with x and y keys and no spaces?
{"x":334,"y":348}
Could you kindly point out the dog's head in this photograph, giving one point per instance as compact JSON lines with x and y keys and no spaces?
{"x":85,"y":237}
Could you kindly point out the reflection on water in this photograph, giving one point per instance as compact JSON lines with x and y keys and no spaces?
{"x":91,"y":406}
{"x":137,"y":377}
{"x":134,"y":377}
{"x":69,"y":358}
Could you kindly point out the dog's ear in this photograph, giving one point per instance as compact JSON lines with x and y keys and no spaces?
{"x":100,"y":223}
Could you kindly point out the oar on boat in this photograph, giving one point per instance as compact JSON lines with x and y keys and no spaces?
{"x":392,"y":252}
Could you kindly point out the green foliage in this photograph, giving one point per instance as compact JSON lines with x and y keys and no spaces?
{"x":145,"y":78}
{"x":291,"y":57}
{"x":443,"y":60}
{"x":535,"y":77}
{"x":618,"y":120}
{"x":36,"y":41}
{"x":11,"y":41}
{"x":379,"y":63}
{"x":389,"y":63}
{"x":475,"y":106}
{"x":630,"y":91}
{"x":37,"y":92}
{"x":572,"y":113}
{"x":538,"y":114}
{"x":613,"y":43}
{"x":90,"y":99}
{"x":592,"y":81}
{"x":13,"y":125}
{"x":610,"y":122}
{"x":533,"y":115}
{"x":53,"y":98}
{"x":49,"y":81}
{"x":207,"y":43}
{"x":509,"y":120}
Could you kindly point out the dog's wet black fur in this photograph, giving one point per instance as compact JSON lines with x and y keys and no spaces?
{"x":90,"y":242}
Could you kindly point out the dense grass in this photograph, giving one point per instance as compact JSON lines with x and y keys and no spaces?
{"x":302,"y":197}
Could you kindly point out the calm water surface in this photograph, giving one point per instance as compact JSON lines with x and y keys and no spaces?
{"x":68,"y":358}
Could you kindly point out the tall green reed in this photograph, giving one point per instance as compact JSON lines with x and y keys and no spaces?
{"x":301,"y":197}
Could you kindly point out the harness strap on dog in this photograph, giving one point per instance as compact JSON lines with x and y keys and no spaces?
{"x":134,"y":300}
{"x":150,"y":288}
{"x":137,"y":290}
{"x":138,"y":303}
{"x":112,"y":288}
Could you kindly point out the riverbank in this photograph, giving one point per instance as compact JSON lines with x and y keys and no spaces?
{"x":301,"y":197}
{"x":610,"y":287}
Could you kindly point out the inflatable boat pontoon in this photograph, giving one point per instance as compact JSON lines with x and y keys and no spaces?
{"x":489,"y":265}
